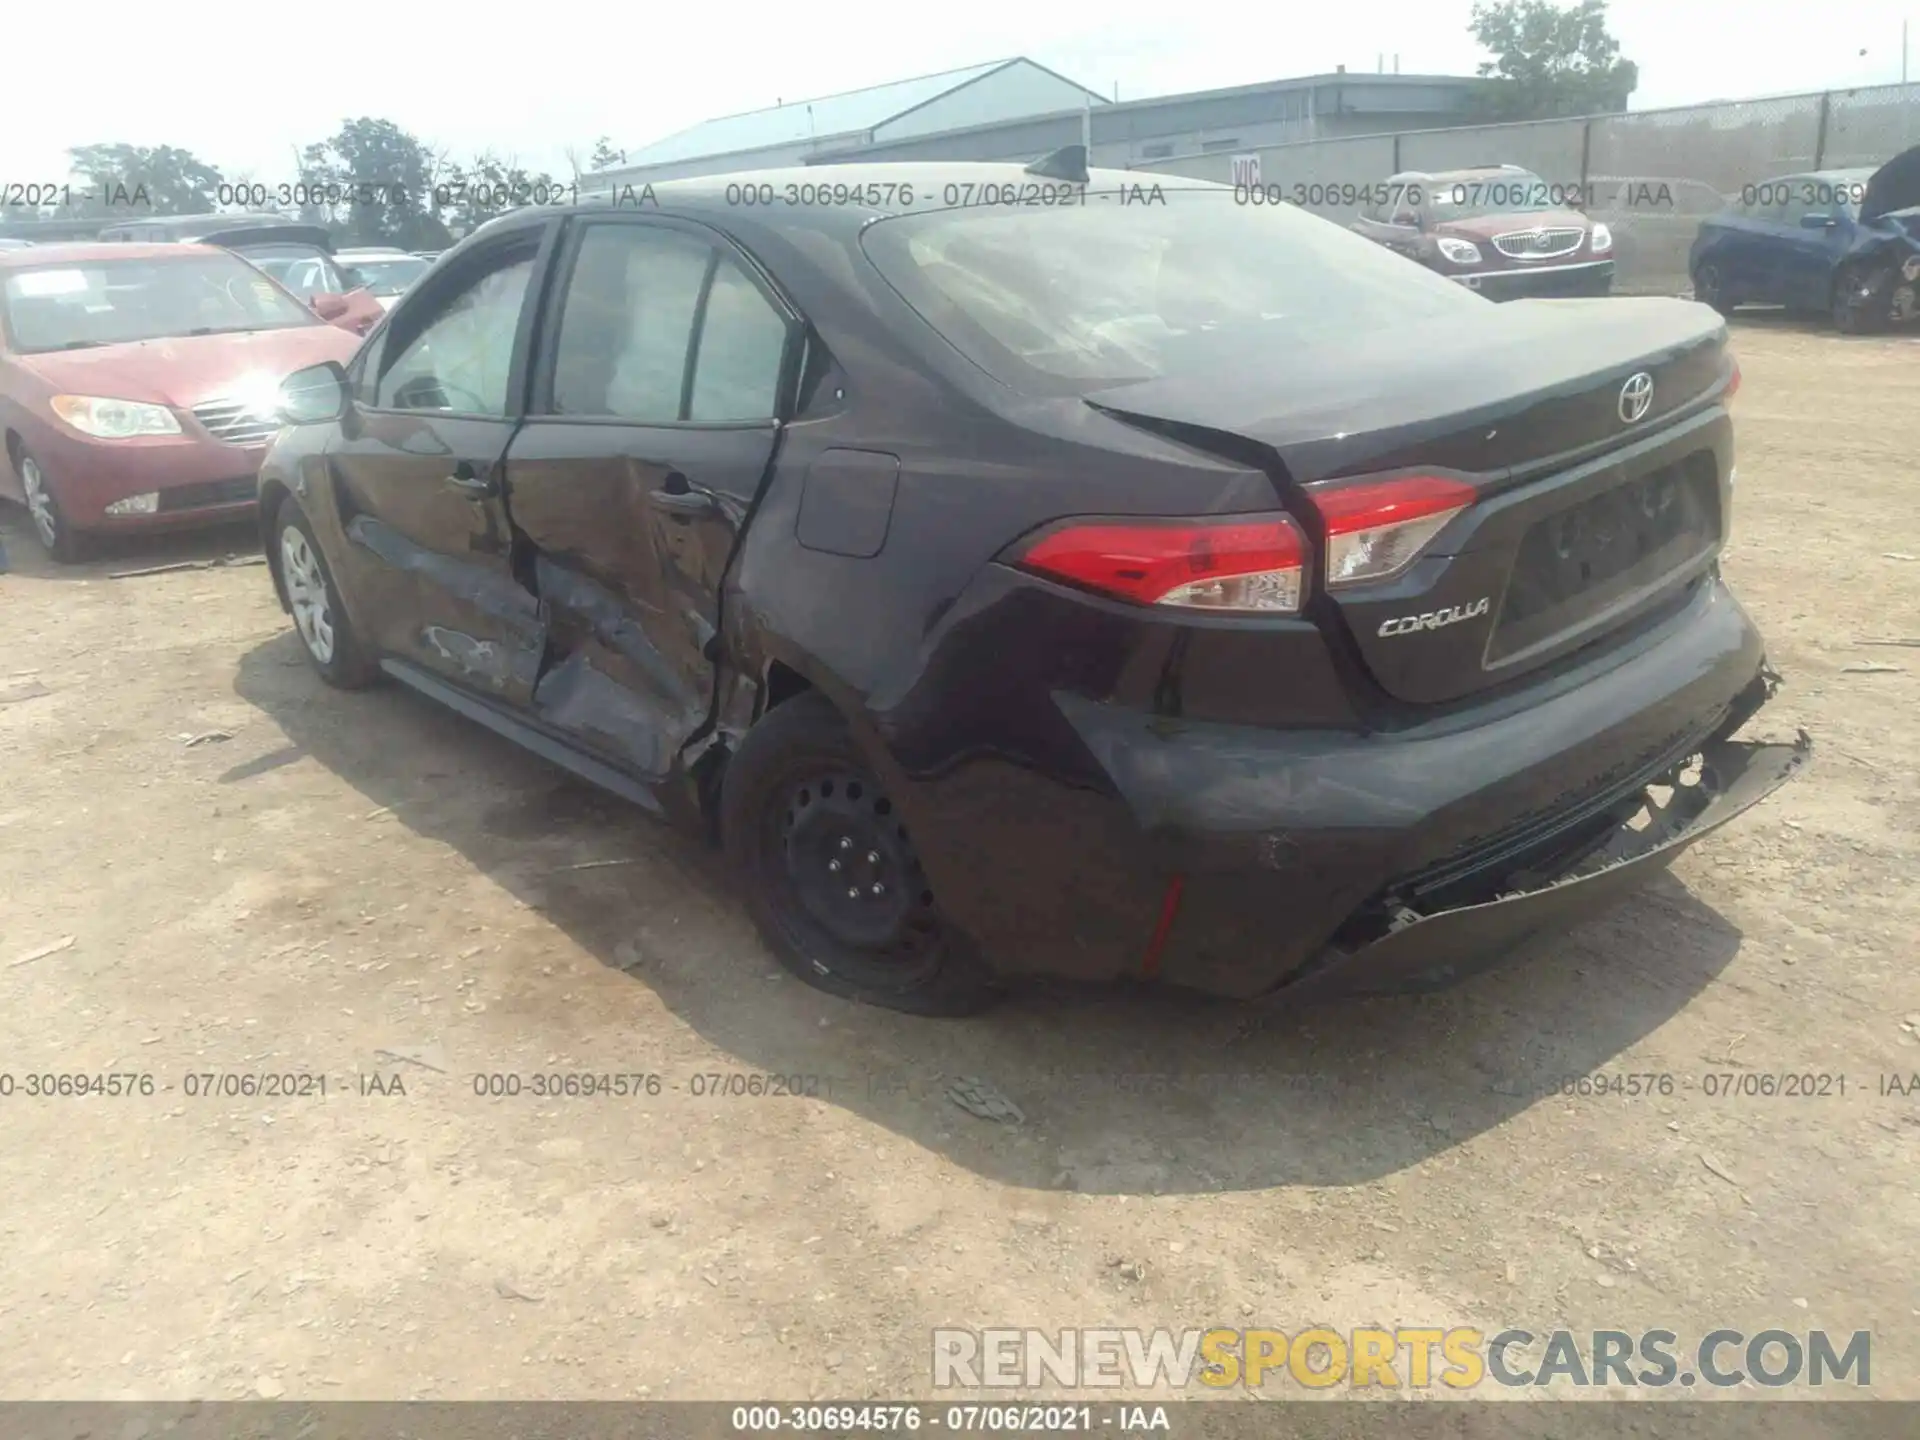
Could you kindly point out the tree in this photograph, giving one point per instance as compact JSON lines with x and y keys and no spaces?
{"x":474,"y":194}
{"x":145,"y":180}
{"x":382,"y":179}
{"x":605,"y":157}
{"x":1549,"y":60}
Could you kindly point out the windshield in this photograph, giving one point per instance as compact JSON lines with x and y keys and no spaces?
{"x":117,"y":302}
{"x":1068,"y":299}
{"x":1512,"y":192}
{"x":301,"y":268}
{"x":388,"y":274}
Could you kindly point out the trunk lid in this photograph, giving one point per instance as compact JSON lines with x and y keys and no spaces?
{"x":1584,"y":518}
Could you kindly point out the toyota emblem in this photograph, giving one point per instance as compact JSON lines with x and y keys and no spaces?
{"x":1636,"y":398}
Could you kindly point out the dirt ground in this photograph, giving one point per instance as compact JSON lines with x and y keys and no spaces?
{"x":367,"y":888}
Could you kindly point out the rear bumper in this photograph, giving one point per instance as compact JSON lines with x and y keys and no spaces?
{"x":1238,"y":860}
{"x":1425,"y":950}
{"x":1586,"y":278}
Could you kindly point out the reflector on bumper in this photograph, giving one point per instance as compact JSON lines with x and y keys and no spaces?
{"x":1435,"y":949}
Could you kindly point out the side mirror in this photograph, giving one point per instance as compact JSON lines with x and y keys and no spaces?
{"x":328,"y":306}
{"x":1819,"y":221}
{"x":315,"y":395}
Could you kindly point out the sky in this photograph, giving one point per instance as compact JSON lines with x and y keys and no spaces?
{"x":243,"y":85}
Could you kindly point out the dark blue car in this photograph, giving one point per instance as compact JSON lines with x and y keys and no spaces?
{"x":1841,"y":242}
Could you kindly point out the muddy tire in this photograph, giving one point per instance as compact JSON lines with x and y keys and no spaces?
{"x":319,"y":620}
{"x":830,"y":875}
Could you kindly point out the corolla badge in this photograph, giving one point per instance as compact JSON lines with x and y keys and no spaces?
{"x":1636,"y":398}
{"x":1435,"y":619}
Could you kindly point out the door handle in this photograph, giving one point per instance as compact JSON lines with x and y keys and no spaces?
{"x":677,"y":497}
{"x":466,"y":478}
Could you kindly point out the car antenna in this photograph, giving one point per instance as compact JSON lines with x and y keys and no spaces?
{"x":1069,"y":162}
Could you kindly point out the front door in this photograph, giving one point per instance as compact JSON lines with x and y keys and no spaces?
{"x":419,"y":462}
{"x":656,"y":412}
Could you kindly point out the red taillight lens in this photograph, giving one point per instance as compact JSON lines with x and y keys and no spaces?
{"x":1379,"y":527}
{"x":1250,"y":564}
{"x":1733,"y":381}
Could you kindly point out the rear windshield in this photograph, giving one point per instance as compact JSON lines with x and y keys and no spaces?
{"x":1063,"y":300}
{"x":75,"y":306}
{"x":388,"y":274}
{"x":303,"y":269}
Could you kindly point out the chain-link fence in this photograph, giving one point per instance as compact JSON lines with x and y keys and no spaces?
{"x":1651,"y":176}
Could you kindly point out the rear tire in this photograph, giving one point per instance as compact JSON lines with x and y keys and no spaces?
{"x":319,"y":620}
{"x":1710,"y":288}
{"x":57,"y":537}
{"x":830,"y":875}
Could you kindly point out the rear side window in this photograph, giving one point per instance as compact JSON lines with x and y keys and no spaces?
{"x":659,"y":327}
{"x":1068,"y":299}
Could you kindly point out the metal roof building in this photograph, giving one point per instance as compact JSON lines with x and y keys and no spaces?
{"x":793,"y":133}
{"x":1020,"y":110}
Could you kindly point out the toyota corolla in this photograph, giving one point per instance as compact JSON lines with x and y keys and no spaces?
{"x":1034,"y":572}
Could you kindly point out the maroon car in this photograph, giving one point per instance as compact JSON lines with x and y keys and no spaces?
{"x":1499,"y":230}
{"x":138,"y":384}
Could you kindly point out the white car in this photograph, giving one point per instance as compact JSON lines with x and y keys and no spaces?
{"x":386,"y":272}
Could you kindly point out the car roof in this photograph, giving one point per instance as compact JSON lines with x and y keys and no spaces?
{"x":706,"y":196}
{"x":1471,"y":172}
{"x":86,"y":251}
{"x":388,"y":252}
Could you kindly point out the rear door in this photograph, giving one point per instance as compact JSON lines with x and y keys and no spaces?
{"x":658,"y":396}
{"x":419,"y":467}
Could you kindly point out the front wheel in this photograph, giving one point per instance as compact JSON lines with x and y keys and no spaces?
{"x":1861,"y":303}
{"x":64,"y":543}
{"x":831,"y":875}
{"x":325,"y":632}
{"x":1710,"y":288}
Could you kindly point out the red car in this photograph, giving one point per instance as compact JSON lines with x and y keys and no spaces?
{"x":1500,"y":230}
{"x":139,"y":384}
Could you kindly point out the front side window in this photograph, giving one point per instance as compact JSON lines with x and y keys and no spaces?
{"x":117,"y":302}
{"x":462,"y":357}
{"x":1064,"y":300}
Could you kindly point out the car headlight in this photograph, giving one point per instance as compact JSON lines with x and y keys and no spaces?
{"x":1460,"y":252}
{"x":114,"y":419}
{"x":1602,"y":239}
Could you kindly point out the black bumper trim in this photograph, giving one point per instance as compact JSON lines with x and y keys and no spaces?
{"x":1431,"y":950}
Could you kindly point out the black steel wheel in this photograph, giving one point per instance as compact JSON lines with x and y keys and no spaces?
{"x":831,"y":875}
{"x":1710,"y":288}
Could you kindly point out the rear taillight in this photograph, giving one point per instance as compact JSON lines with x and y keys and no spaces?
{"x":1378,"y":527}
{"x":1733,"y":381}
{"x":1246,"y":564}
